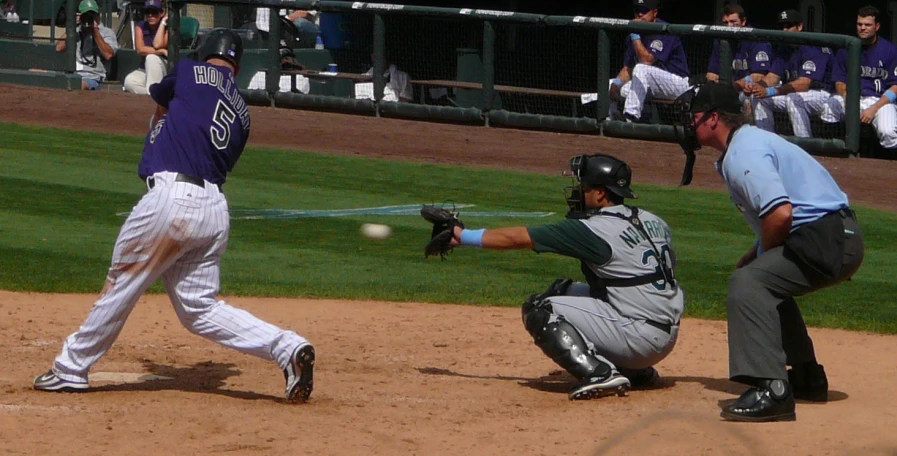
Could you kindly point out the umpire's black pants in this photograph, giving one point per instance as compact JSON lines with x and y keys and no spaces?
{"x":766,"y":329}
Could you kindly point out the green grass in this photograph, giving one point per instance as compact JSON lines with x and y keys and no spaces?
{"x":61,"y":191}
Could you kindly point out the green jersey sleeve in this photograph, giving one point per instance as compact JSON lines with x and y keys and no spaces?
{"x":570,"y":238}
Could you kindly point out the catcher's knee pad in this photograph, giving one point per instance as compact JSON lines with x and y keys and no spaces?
{"x":564,"y":344}
{"x":557,"y":288}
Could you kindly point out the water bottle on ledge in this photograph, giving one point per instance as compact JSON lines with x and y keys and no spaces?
{"x":319,"y":43}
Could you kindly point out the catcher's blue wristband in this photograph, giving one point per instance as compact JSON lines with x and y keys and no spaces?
{"x":770,"y":91}
{"x":472,"y":237}
{"x":635,"y":36}
{"x":891,"y":96}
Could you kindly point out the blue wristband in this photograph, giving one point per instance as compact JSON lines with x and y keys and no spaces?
{"x":472,"y":237}
{"x":891,"y":96}
{"x":635,"y":36}
{"x":619,"y":82}
{"x":748,"y":79}
{"x":771,"y":92}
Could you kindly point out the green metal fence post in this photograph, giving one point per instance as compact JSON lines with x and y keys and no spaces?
{"x":603,"y":76}
{"x":379,"y":60}
{"x":174,"y":34}
{"x":488,"y":67}
{"x":71,"y":39}
{"x":725,"y":61}
{"x":852,"y":101}
{"x":272,"y":76}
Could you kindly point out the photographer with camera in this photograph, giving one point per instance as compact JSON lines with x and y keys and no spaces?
{"x":96,"y":44}
{"x":152,"y":45}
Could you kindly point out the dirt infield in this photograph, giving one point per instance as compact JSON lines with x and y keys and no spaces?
{"x":407,"y":378}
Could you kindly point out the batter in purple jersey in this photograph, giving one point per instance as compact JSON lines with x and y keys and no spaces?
{"x":179,"y":229}
{"x":653,"y":65}
{"x":799,"y":83}
{"x":878,"y":80}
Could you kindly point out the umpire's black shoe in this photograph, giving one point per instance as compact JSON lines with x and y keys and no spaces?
{"x":770,"y":400}
{"x":808,"y":382}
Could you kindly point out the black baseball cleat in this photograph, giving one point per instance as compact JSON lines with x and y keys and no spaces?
{"x":770,"y":400}
{"x":614,"y":384}
{"x":641,"y":378}
{"x":299,"y":374}
{"x":808,"y":382}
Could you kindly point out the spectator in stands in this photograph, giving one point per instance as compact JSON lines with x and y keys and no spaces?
{"x":878,"y":80}
{"x":751,"y":60}
{"x":652,"y":64}
{"x":805,"y":74}
{"x":306,"y":32}
{"x":96,"y":44}
{"x":151,"y":43}
{"x":397,"y":88}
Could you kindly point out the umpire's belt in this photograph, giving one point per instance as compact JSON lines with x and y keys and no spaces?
{"x":181,"y":177}
{"x":665,"y":327}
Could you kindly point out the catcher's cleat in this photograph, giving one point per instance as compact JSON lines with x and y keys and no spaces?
{"x":299,"y":374}
{"x":615,"y":384}
{"x":641,"y":378}
{"x":51,"y":382}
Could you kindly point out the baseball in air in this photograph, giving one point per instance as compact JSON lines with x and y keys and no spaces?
{"x":376,"y":231}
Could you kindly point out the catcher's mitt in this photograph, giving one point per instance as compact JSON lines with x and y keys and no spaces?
{"x":444,"y":222}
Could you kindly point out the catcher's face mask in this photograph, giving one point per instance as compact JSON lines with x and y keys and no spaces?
{"x":574,"y":194}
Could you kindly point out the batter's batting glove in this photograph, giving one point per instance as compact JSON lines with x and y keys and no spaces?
{"x":444,"y":222}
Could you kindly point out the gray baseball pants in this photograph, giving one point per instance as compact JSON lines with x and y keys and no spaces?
{"x":766,"y":329}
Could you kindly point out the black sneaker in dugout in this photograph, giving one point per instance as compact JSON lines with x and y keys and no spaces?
{"x":808,"y":382}
{"x":770,"y":400}
{"x":50,"y":382}
{"x":614,"y":384}
{"x":299,"y":374}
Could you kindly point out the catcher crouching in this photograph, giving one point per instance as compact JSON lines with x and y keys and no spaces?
{"x":610,"y":330}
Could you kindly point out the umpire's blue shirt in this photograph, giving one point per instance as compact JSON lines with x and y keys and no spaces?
{"x":763,"y":171}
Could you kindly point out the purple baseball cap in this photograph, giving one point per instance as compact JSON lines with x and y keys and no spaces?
{"x":153,"y":4}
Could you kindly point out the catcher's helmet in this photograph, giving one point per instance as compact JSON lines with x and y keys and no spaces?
{"x":597,"y":170}
{"x":222,"y":43}
{"x":604,"y":170}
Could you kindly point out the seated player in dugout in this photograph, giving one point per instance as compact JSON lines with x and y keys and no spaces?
{"x":653,"y":65}
{"x":799,"y":83}
{"x":751,"y":60}
{"x":609,"y":331}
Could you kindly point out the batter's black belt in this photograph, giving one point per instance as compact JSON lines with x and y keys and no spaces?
{"x":665,"y":327}
{"x":181,"y":177}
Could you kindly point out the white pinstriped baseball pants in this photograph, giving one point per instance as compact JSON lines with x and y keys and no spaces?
{"x":660,"y":83}
{"x":178,"y":232}
{"x":799,"y":105}
{"x":885,"y":120}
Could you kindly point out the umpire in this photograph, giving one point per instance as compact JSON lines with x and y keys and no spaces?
{"x":807,"y":239}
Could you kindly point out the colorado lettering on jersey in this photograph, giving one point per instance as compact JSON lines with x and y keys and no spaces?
{"x":632,"y":236}
{"x":873,"y":73}
{"x":211,"y":76}
{"x":740,"y":64}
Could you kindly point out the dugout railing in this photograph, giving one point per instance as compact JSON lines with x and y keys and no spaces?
{"x":491,"y":67}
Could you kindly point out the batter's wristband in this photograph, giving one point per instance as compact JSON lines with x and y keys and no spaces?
{"x":619,"y":82}
{"x":771,"y":92}
{"x":892,"y":97}
{"x":472,"y":237}
{"x":635,"y":36}
{"x":748,"y":79}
